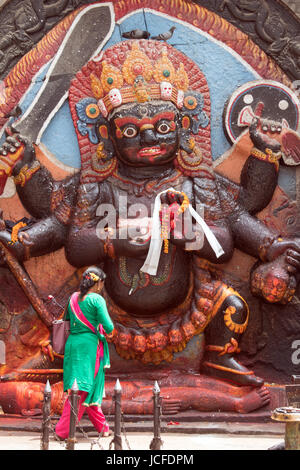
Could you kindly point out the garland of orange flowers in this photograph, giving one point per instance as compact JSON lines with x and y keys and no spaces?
{"x":165,"y":228}
{"x":185,"y":203}
{"x":166,"y":217}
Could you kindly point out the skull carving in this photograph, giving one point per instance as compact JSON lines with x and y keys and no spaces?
{"x":166,"y":90}
{"x":115,"y":97}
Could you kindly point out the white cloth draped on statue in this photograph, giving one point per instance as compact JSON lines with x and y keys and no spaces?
{"x":151,"y":263}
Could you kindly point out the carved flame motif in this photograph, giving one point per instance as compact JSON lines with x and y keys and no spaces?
{"x":137,"y":63}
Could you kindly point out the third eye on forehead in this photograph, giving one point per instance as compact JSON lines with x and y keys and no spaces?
{"x":141,"y":111}
{"x":165,"y":116}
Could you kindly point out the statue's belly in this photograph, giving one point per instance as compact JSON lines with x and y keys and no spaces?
{"x":145,"y":295}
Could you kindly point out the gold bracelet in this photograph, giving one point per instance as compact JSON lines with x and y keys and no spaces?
{"x":25,"y":174}
{"x":15,"y":232}
{"x":269,"y":156}
{"x":263,"y":249}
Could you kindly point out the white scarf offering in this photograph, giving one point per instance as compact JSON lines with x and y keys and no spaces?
{"x":151,"y":263}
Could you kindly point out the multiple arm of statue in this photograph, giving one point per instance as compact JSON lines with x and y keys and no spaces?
{"x":49,"y":202}
{"x":54,"y":210}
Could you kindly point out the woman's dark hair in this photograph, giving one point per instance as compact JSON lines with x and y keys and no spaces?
{"x":87,"y":280}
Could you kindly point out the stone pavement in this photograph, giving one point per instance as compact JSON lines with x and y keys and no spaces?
{"x":24,"y":440}
{"x":19,"y":433}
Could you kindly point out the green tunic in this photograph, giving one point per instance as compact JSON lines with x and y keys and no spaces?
{"x":81,"y":349}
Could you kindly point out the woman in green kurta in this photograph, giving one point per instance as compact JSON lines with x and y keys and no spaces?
{"x":86,"y":353}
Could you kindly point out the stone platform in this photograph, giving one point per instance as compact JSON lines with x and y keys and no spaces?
{"x":188,"y":422}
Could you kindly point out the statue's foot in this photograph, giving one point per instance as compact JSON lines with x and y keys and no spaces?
{"x":257,"y":398}
{"x":227,"y":368}
{"x":170,"y":406}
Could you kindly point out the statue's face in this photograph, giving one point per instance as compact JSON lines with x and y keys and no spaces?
{"x":145,"y":134}
{"x":274,"y":288}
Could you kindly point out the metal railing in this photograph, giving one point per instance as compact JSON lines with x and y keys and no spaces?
{"x":119,"y":421}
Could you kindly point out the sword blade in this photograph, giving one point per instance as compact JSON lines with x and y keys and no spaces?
{"x":85,"y":38}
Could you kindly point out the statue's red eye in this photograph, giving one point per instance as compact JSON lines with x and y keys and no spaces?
{"x":129,"y":131}
{"x":163,"y":128}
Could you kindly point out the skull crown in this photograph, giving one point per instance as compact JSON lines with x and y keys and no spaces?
{"x":139,"y":79}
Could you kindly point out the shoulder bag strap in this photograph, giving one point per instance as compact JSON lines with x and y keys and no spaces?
{"x":78,"y":312}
